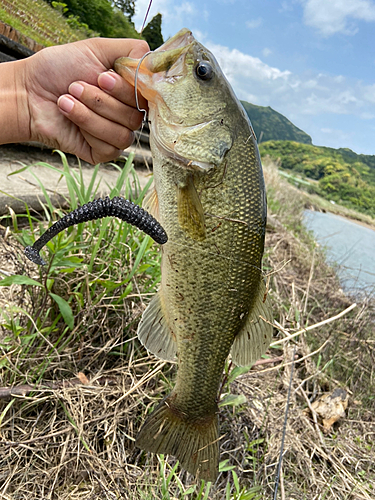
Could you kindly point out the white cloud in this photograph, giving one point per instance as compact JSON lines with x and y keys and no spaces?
{"x":237,"y":65}
{"x":337,"y":16}
{"x":254,"y":23}
{"x":178,"y":13}
{"x":370,"y":93}
{"x":300,"y":97}
{"x":286,"y":7}
{"x":266,"y":52}
{"x":291,"y":94}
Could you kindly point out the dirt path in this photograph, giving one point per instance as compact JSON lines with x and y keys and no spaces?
{"x":18,"y":189}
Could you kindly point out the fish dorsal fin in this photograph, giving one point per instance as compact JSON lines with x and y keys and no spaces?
{"x":154,"y":332}
{"x":255,"y":336}
{"x":190,"y":211}
{"x":151,"y":203}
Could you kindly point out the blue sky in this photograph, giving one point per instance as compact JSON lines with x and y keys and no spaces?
{"x":311,"y":60}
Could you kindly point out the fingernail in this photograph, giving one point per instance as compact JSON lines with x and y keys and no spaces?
{"x":106,"y":81}
{"x":65,"y":103}
{"x":76,"y":89}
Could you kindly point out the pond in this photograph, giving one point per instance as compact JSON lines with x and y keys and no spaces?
{"x":349,"y":245}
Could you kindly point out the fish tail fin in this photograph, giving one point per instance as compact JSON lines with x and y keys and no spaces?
{"x":195,"y":444}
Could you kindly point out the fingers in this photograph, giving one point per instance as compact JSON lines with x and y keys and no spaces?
{"x":113,"y":108}
{"x":88,"y":121}
{"x":106,"y":114}
{"x":99,"y":151}
{"x":115,"y":85}
{"x":109,"y":49}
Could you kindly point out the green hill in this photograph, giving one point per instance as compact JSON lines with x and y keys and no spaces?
{"x":52,"y":26}
{"x":339,"y":174}
{"x":269,"y":125}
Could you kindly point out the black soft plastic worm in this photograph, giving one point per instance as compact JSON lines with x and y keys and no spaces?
{"x":97,"y":209}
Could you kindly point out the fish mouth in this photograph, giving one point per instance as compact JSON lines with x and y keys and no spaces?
{"x":139,"y":72}
{"x":181,"y":39}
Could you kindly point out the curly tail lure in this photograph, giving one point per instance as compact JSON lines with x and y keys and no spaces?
{"x":97,"y":209}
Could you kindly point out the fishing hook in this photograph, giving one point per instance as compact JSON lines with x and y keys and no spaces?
{"x":136,"y":85}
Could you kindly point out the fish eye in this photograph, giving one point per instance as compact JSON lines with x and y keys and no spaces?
{"x":204,"y":70}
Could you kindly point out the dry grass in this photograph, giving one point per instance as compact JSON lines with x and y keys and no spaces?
{"x":75,"y":441}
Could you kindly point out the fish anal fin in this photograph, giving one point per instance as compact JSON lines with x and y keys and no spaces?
{"x":255,"y":336}
{"x":151,"y":203}
{"x":154,"y":332}
{"x":194,"y":444}
{"x":190,"y":211}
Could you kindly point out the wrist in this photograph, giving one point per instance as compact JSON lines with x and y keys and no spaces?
{"x":14,"y":103}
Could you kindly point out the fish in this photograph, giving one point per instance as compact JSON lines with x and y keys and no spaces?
{"x":210,"y":198}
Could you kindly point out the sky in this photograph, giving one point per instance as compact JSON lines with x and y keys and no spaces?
{"x":311,"y":60}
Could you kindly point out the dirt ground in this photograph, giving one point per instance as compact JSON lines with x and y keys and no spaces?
{"x":76,"y":441}
{"x":16,"y":189}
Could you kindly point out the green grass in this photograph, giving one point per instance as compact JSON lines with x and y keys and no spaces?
{"x":85,"y":264}
{"x":78,"y":315}
{"x":39,"y":21}
{"x":96,"y":276}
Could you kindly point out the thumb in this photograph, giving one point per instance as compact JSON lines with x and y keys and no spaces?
{"x":110,"y":49}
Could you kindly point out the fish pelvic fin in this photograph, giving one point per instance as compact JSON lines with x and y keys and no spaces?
{"x":194,"y":444}
{"x":253,"y":339}
{"x":151,"y":203}
{"x":154,"y":332}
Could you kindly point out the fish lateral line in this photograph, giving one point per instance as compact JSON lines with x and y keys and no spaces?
{"x":239,"y":221}
{"x":208,"y":252}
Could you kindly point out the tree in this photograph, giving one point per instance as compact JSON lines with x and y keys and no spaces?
{"x":127,"y":7}
{"x":101,"y":16}
{"x":152,"y":33}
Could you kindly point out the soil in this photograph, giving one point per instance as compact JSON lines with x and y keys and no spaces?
{"x":20,"y":187}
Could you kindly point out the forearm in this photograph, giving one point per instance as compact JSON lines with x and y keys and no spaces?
{"x":14,"y":113}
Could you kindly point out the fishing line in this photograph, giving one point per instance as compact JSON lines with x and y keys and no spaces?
{"x":284,"y":428}
{"x":136,"y":84}
{"x":145,"y":19}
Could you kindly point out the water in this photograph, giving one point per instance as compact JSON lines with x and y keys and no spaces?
{"x":350,"y":245}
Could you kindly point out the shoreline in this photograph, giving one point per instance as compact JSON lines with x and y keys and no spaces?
{"x":318,"y":204}
{"x":344,"y":216}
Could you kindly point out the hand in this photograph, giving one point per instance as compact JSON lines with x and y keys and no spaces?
{"x":75,"y":104}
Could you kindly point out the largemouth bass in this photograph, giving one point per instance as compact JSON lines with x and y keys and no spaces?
{"x":210,"y":198}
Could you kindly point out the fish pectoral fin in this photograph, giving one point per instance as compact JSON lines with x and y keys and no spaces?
{"x":255,"y":336}
{"x":154,"y":332}
{"x":190,"y":211}
{"x":194,"y":444}
{"x":151,"y":203}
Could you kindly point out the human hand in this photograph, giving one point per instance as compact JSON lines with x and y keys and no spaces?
{"x":75,"y":104}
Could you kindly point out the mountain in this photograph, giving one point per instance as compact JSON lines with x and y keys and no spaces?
{"x":269,"y":125}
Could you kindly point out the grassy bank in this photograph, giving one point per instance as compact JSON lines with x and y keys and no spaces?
{"x":299,"y":187}
{"x":68,"y":339}
{"x":39,"y":21}
{"x":338,"y":175}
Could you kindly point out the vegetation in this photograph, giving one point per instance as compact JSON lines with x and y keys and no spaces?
{"x":78,"y":383}
{"x":127,"y":7}
{"x":152,"y":32}
{"x":100,"y":16}
{"x":339,"y":175}
{"x":269,"y":125}
{"x":40,"y":22}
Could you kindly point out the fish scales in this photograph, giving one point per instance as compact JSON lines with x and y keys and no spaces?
{"x":215,"y":275}
{"x":210,"y":198}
